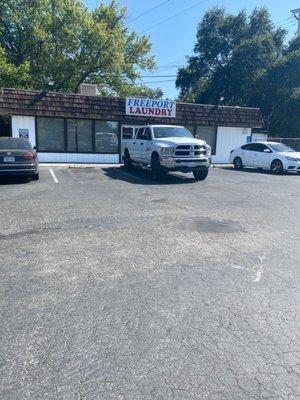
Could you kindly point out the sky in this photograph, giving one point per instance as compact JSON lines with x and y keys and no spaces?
{"x":174,"y":36}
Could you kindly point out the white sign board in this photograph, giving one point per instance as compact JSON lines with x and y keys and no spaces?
{"x":150,"y":107}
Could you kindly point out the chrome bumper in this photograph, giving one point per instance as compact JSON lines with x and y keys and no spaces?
{"x":185,"y":163}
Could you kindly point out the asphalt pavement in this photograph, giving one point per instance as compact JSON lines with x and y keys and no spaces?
{"x":117,"y":287}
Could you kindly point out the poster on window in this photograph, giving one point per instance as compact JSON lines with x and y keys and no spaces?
{"x":150,"y":107}
{"x":24,"y":133}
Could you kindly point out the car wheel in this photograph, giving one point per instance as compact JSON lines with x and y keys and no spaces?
{"x":156,"y":170}
{"x":127,"y":160}
{"x":277,"y":167}
{"x":200,"y":175}
{"x":238,"y":163}
{"x":36,"y":177}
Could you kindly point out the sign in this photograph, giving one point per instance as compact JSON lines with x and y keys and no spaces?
{"x":248,"y":139}
{"x":150,"y":107}
{"x":24,"y":133}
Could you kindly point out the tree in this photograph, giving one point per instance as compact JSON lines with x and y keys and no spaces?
{"x":244,"y":59}
{"x":12,"y":76}
{"x":65,"y":42}
{"x":279,"y":90}
{"x":231,"y":53}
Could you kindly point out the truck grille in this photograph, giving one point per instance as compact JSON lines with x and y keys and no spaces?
{"x":190,"y":151}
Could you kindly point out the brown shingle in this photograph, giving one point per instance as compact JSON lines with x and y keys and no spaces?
{"x":28,"y":102}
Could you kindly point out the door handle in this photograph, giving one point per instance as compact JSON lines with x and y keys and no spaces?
{"x":133,"y":142}
{"x":142,"y":144}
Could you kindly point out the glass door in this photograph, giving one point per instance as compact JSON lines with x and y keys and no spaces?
{"x":80,"y":135}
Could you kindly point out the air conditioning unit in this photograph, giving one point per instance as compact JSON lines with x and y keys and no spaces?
{"x":88,"y":89}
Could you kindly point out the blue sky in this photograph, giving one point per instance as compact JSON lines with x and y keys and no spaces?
{"x":174,"y":39}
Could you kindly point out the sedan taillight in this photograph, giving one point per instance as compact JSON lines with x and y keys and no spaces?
{"x":29,"y":155}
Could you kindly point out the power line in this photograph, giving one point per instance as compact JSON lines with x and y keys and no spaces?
{"x":288,"y":26}
{"x":154,"y":82}
{"x":148,"y":11}
{"x":173,"y":16}
{"x":171,"y":63}
{"x":279,"y":22}
{"x":158,"y":76}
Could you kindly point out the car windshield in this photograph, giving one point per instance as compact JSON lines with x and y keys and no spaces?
{"x":14,"y":144}
{"x":281,"y":148}
{"x":170,"y":131}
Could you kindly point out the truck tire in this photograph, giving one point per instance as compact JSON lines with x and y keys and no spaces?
{"x":127,"y":161}
{"x":200,"y":175}
{"x":156,"y":170}
{"x":35,"y":177}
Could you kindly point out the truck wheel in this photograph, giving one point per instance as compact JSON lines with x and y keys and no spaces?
{"x":200,"y":175}
{"x":156,"y":171}
{"x":127,"y":160}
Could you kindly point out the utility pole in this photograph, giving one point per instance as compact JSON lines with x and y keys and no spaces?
{"x":296,"y":13}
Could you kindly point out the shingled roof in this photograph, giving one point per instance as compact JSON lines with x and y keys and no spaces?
{"x":37,"y":103}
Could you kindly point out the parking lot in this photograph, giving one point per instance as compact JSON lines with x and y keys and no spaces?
{"x":117,"y":287}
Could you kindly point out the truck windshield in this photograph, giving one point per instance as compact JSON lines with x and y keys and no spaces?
{"x":170,"y":131}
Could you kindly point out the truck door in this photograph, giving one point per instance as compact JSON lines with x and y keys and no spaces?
{"x":138,"y":145}
{"x":146,"y":146}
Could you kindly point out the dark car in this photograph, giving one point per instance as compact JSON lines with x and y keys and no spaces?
{"x":18,"y":158}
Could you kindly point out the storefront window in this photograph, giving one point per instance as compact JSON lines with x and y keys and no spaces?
{"x":209,"y":134}
{"x":50,"y":134}
{"x":80,"y":135}
{"x":106,"y":137}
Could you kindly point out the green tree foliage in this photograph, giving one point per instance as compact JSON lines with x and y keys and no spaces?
{"x":243,"y":59}
{"x":64,"y":41}
{"x":278,"y":93}
{"x":12,"y":76}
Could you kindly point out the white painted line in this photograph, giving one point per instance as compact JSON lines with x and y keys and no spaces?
{"x":237,"y":267}
{"x":257,"y":275}
{"x":53,"y":175}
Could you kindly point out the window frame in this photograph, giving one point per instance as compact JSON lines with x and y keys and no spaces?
{"x":213,"y":148}
{"x":148,"y":137}
{"x":37,"y":134}
{"x":138,"y":132}
{"x":65,"y":151}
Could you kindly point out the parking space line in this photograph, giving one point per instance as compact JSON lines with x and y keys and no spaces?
{"x":53,"y":175}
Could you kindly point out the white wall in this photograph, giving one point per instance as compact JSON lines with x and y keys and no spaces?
{"x":79,"y":158}
{"x":227,"y":139}
{"x":259,"y":137}
{"x":23,"y":122}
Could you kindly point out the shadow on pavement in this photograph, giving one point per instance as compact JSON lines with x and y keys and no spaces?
{"x":139,"y":176}
{"x":252,"y":170}
{"x":9,"y":180}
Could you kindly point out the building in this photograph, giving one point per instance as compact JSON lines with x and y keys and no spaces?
{"x":68,"y":127}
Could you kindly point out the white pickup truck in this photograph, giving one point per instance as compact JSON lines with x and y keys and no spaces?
{"x":164,"y":148}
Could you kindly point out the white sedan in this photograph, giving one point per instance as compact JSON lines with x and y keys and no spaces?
{"x":276,"y":157}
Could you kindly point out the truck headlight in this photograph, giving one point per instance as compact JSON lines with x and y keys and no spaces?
{"x":208,"y":150}
{"x":167,"y":151}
